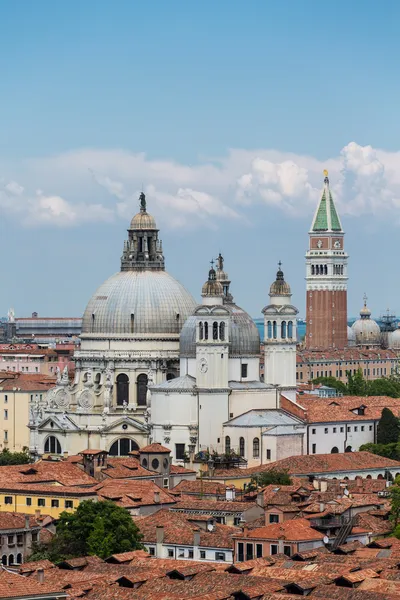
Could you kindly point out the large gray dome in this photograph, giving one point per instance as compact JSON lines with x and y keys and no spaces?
{"x":138,"y":302}
{"x":243,"y":335}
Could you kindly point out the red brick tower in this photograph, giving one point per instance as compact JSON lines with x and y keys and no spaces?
{"x":326,"y":278}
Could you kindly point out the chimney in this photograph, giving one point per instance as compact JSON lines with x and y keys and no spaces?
{"x":40,"y":575}
{"x":26,"y":521}
{"x":159,"y":534}
{"x":156,"y":497}
{"x":245,"y":531}
{"x":324,"y":485}
{"x":196,"y":538}
{"x":321,"y":507}
{"x":37,"y":514}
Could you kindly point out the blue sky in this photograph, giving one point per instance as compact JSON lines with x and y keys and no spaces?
{"x":225,"y":112}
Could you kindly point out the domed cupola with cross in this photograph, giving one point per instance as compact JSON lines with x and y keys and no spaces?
{"x":367,"y":331}
{"x":326,"y":277}
{"x":280,"y":334}
{"x":212,"y":335}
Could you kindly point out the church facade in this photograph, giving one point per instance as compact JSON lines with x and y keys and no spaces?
{"x":153,"y":366}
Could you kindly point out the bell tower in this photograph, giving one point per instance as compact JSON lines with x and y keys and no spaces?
{"x":326,"y":277}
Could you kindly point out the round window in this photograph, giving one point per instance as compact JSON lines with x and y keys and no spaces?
{"x":165,"y":463}
{"x":144,"y":462}
{"x":124,"y":426}
{"x":155,"y":463}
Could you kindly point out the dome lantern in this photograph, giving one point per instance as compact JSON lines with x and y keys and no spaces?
{"x":143,"y":249}
{"x":212,"y":291}
{"x":279,"y":286}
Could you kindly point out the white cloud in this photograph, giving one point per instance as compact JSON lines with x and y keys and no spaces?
{"x":100,"y":185}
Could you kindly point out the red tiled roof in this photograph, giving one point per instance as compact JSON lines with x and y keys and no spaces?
{"x":156,"y":448}
{"x":132,"y":493}
{"x":13,"y":585}
{"x":26,"y":382}
{"x":189,"y":503}
{"x":199,"y":486}
{"x":43,"y":471}
{"x":294,"y":530}
{"x":330,"y":410}
{"x":179,"y":530}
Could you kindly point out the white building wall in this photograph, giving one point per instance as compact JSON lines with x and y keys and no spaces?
{"x":241,"y":401}
{"x":339,"y":435}
{"x":213,"y":412}
{"x":182,"y":552}
{"x":253,"y":368}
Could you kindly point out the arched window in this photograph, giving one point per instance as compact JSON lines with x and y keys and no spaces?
{"x":222,"y":331}
{"x":201,"y":330}
{"x":380,"y":476}
{"x":52,"y":445}
{"x":241,"y":446}
{"x":334,"y":450}
{"x":227,"y":444}
{"x":316,"y":269}
{"x":19,"y":559}
{"x":283,"y":330}
{"x":349,"y":449}
{"x":368,"y":477}
{"x":274,"y":330}
{"x":11,"y":559}
{"x":269,"y":327}
{"x":122,"y":447}
{"x":141,"y":383}
{"x":206,"y":330}
{"x":215,"y":330}
{"x":312,"y":270}
{"x":122,"y":389}
{"x":290,"y":329}
{"x":256,"y":448}
{"x":4,"y":559}
{"x":325,"y":269}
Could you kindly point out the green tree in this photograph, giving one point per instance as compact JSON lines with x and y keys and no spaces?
{"x":14,"y":458}
{"x":100,"y":528}
{"x":386,"y":450}
{"x":332,"y":382}
{"x":388,"y":428}
{"x":395,"y":506}
{"x":385,"y":386}
{"x":261,"y":480}
{"x":356,"y":384}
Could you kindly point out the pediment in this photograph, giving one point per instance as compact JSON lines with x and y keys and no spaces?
{"x":56,"y":423}
{"x":131,"y":426}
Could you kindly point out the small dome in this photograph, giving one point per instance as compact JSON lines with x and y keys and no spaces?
{"x":394,"y":339}
{"x":366,"y":331}
{"x":143,"y":221}
{"x":280,"y":287}
{"x":244,"y":338}
{"x":212,"y":287}
{"x":351,"y":337}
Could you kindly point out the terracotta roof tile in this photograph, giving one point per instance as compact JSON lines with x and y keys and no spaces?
{"x":43,"y":471}
{"x":291,"y":530}
{"x":156,"y":448}
{"x":14,"y":585}
{"x":179,"y":530}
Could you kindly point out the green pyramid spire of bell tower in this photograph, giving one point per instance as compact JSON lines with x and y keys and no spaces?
{"x":326,"y":217}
